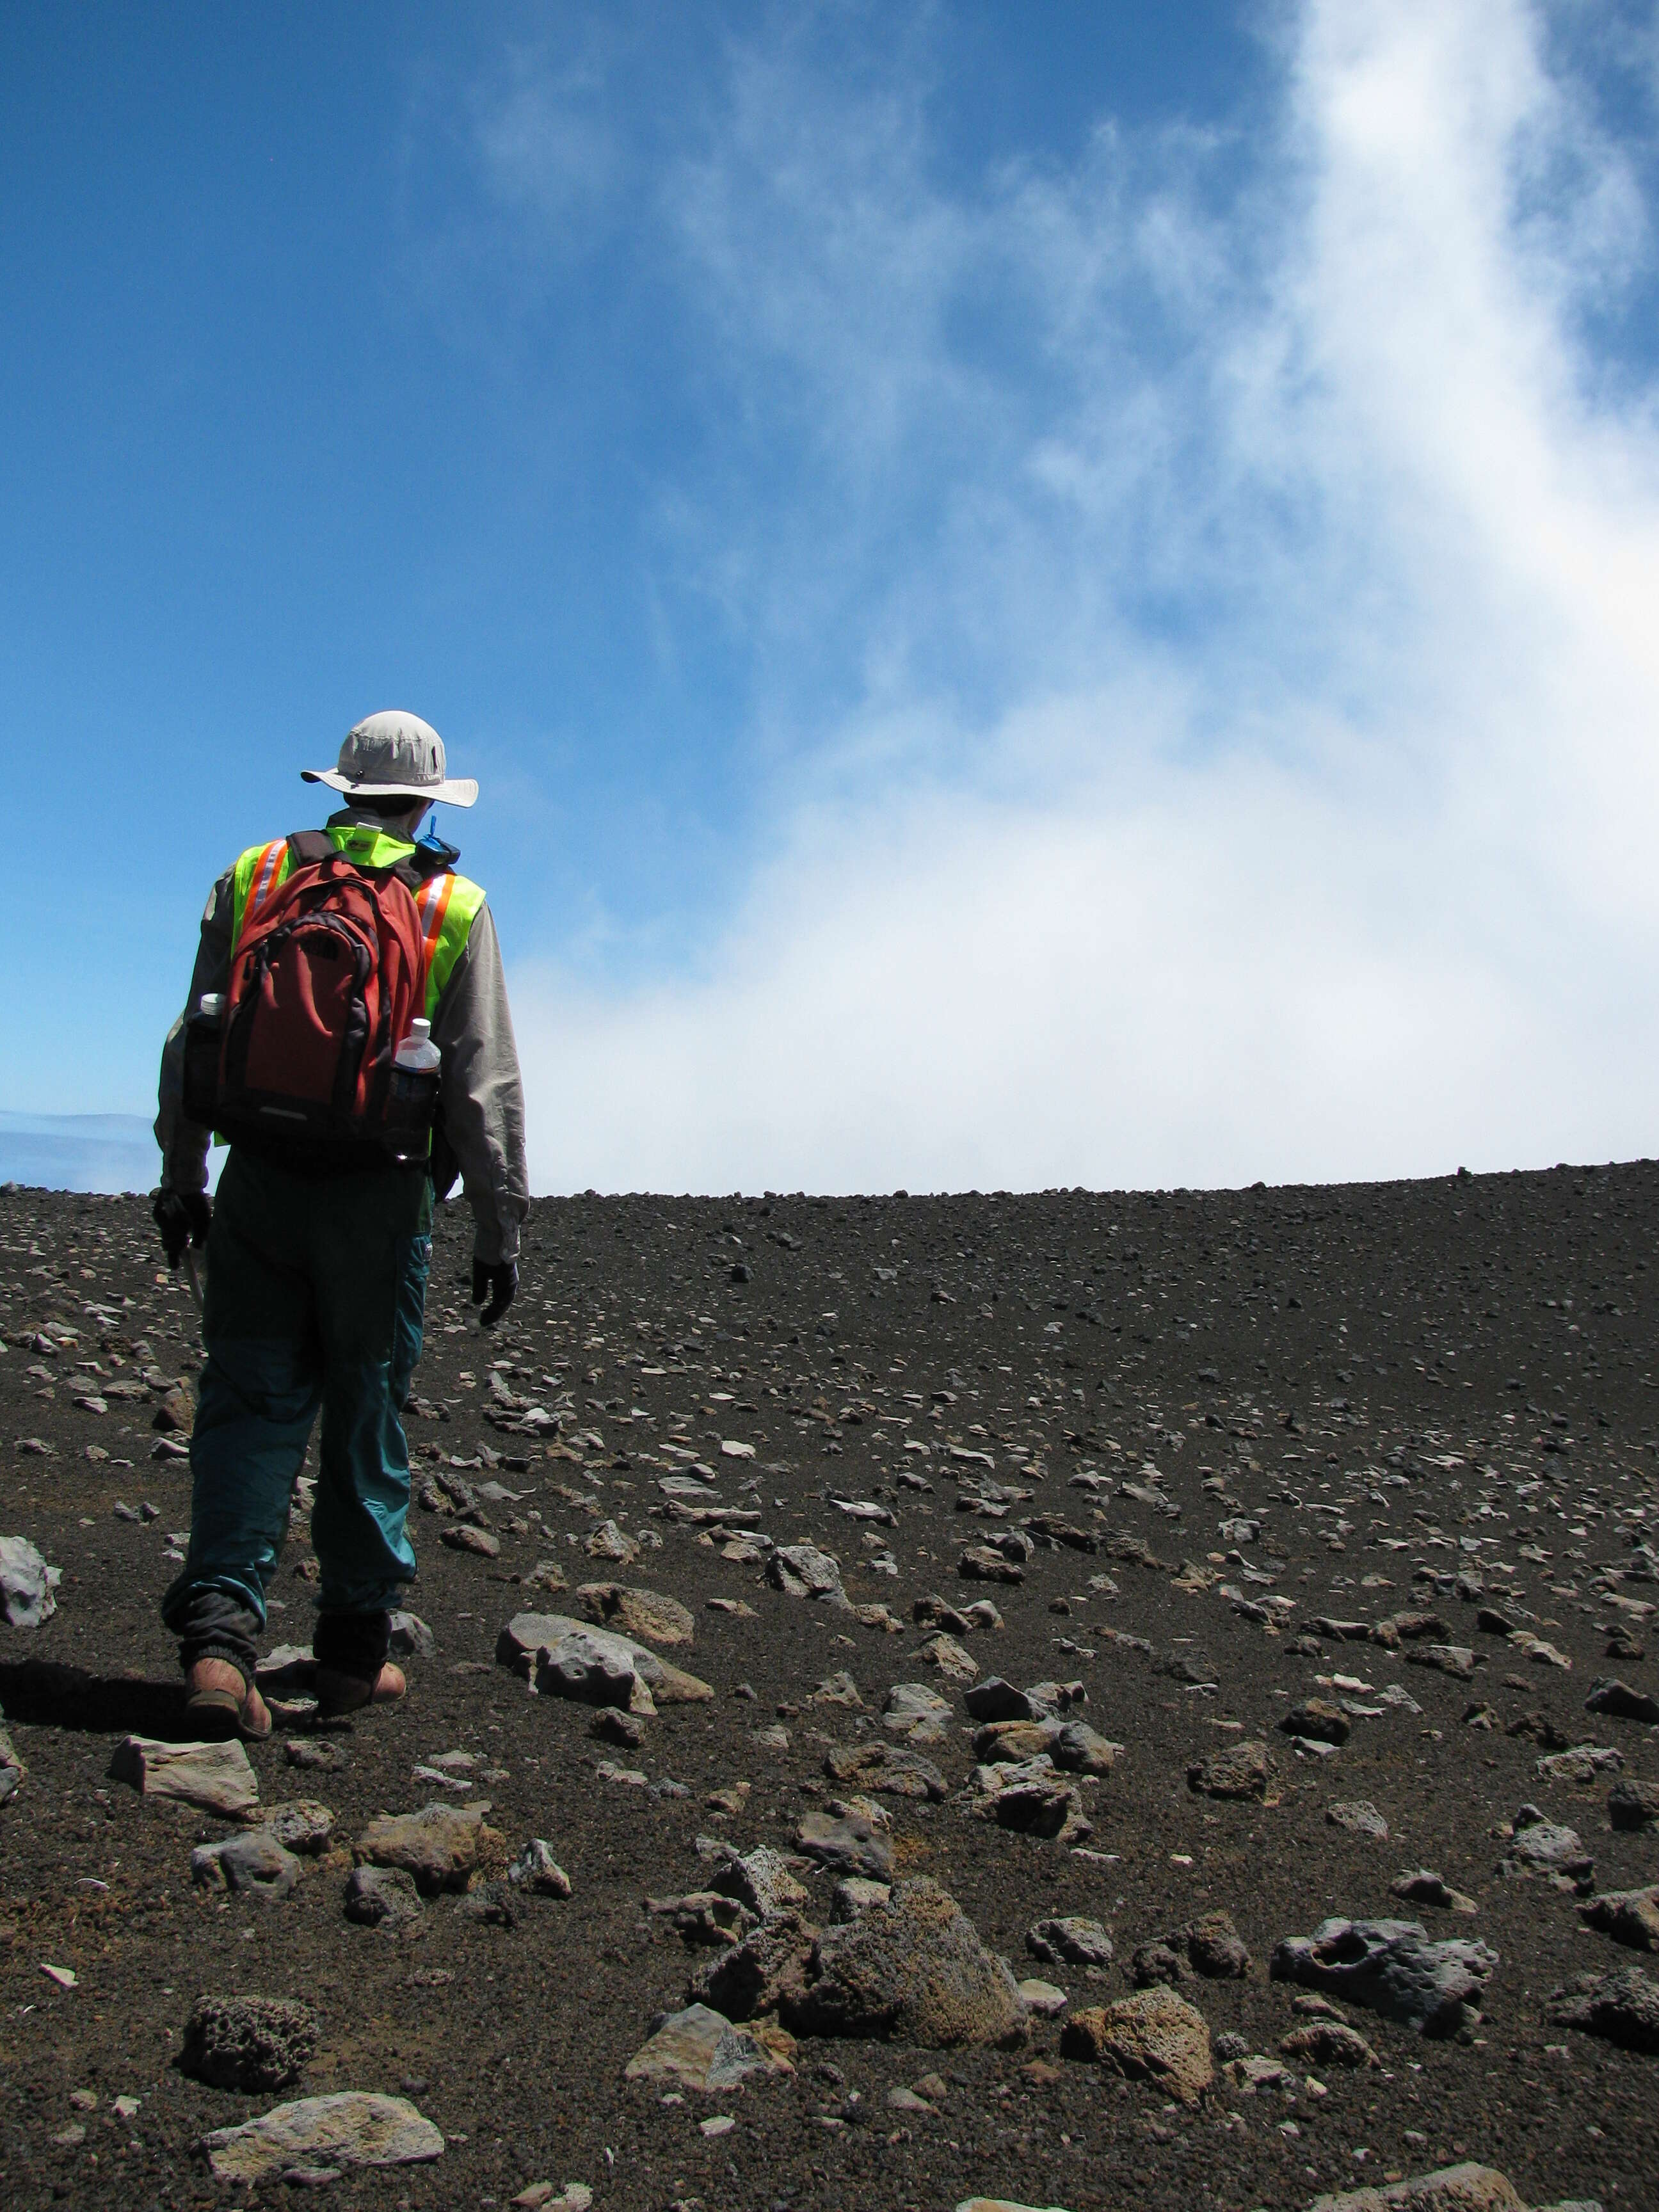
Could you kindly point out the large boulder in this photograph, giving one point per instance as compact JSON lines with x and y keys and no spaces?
{"x":913,"y":1970}
{"x":1391,"y":1966}
{"x":324,"y":2134}
{"x":1154,"y":2035}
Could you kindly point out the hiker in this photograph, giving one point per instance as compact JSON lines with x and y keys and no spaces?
{"x":324,"y":958}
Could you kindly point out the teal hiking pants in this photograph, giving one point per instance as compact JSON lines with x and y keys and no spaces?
{"x":316,"y":1299}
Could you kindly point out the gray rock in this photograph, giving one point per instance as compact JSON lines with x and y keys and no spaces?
{"x":1632,"y":1804}
{"x":1359,"y":1817}
{"x":1215,"y":1948}
{"x":492,"y":1903}
{"x":1392,"y":1967}
{"x":298,"y":1824}
{"x":890,"y":1770}
{"x":537,"y":1870}
{"x":438,"y":1845}
{"x":759,"y":1974}
{"x":252,"y":1865}
{"x":853,"y":1894}
{"x":382,"y":1897}
{"x":27,"y":1584}
{"x":804,"y":1571}
{"x":567,"y":1651}
{"x":913,"y":1969}
{"x":1454,"y":1659}
{"x":1467,"y":2187}
{"x":845,"y":1845}
{"x":1079,"y":1750}
{"x":994,"y":1699}
{"x":217,"y":1777}
{"x":1242,"y":1771}
{"x":1623,"y":2007}
{"x":1629,"y":1915}
{"x":410,"y":1638}
{"x":837,"y":1689}
{"x":1582,"y":1762}
{"x":1040,"y":1806}
{"x":700,"y":2048}
{"x":1329,"y":2043}
{"x":1071,"y":1941}
{"x":1617,"y":1700}
{"x":917,"y":1713}
{"x":762,"y":1880}
{"x":251,"y":2044}
{"x":1317,"y":1721}
{"x":705,"y":1916}
{"x":1423,"y":1886}
{"x":324,"y":2134}
{"x":1152,"y":1964}
{"x":1538,"y":1845}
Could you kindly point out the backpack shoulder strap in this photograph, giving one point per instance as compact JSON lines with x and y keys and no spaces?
{"x":310,"y":846}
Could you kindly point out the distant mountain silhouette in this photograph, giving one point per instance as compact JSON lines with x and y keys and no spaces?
{"x":78,"y":1151}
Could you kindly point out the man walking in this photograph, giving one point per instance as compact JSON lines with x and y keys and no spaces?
{"x":324,"y":958}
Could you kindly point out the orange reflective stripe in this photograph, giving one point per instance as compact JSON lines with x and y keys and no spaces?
{"x":263,"y":873}
{"x":432,"y":902}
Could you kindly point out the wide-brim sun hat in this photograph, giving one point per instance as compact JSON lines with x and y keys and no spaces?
{"x":392,"y":755}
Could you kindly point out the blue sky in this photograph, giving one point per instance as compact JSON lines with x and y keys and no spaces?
{"x":1035,"y":600}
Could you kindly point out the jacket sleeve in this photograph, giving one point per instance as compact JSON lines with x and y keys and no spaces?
{"x":185,"y":1143}
{"x":481,"y":1093}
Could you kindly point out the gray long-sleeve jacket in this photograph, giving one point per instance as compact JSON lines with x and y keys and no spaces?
{"x":481,"y":1093}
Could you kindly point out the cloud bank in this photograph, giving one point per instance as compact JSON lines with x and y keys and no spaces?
{"x":1201,"y":602}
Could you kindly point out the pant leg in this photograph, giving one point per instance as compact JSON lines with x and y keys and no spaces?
{"x":258,"y":1399}
{"x":371,"y":1254}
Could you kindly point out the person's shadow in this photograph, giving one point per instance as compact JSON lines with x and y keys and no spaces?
{"x":48,"y":1693}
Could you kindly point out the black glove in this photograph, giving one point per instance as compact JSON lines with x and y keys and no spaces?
{"x":182,"y":1217}
{"x":500,"y":1284}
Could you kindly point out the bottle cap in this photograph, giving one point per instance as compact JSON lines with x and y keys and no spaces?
{"x":419,"y":1030}
{"x":213,"y":1004}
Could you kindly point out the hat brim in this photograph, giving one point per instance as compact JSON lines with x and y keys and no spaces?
{"x":454,"y":790}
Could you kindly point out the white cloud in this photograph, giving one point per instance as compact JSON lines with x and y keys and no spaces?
{"x":1252,"y":768}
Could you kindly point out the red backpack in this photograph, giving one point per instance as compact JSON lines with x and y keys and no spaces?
{"x":325,"y":980}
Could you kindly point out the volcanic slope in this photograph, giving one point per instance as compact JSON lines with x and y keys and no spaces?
{"x":1364,"y":1476}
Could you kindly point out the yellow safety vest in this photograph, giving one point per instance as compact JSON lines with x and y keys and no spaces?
{"x":447,"y":903}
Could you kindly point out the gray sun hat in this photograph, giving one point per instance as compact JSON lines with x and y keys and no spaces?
{"x":392,"y":755}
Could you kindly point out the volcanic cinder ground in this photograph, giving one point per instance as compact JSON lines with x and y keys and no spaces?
{"x":1435,"y":1396}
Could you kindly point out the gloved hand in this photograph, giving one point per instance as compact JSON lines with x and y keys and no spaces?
{"x":499,"y":1284}
{"x":182,"y":1217}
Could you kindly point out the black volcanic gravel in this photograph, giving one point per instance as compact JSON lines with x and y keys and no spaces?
{"x":1401,"y":1384}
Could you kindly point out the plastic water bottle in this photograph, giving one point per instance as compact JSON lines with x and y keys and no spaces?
{"x":417,"y":1055}
{"x":414,"y":1096}
{"x":203,"y":1038}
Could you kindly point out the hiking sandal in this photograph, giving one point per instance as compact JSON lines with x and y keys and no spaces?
{"x":339,"y":1693}
{"x":220,"y":1713}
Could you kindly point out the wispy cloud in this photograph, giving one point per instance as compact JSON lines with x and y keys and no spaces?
{"x":1206,"y":594}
